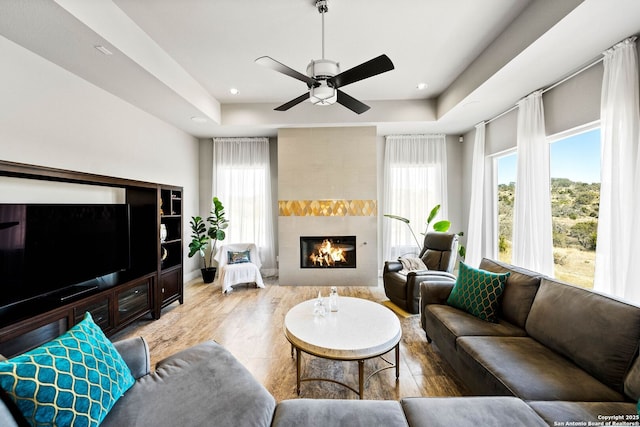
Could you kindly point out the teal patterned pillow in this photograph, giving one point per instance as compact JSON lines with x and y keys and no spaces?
{"x":478,"y":292}
{"x":238,"y":257}
{"x":73,"y":380}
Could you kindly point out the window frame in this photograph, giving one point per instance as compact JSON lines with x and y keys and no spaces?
{"x":550,"y":139}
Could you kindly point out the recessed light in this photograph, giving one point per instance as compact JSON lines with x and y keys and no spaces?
{"x":103,"y":50}
{"x":234,"y":91}
{"x":422,"y":86}
{"x":199,"y":119}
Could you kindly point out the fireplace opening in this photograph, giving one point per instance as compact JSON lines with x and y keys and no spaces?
{"x":327,"y":251}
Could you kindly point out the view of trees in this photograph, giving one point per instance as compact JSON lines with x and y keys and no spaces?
{"x":574,"y":210}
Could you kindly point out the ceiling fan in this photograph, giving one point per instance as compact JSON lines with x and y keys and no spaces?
{"x":324,"y":78}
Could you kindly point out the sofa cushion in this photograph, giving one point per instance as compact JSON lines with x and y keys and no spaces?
{"x":519,"y":290}
{"x":439,"y":250}
{"x":454,"y":323}
{"x":632,"y":381}
{"x":583,"y":413}
{"x":477,"y":292}
{"x":74,"y":379}
{"x":469,"y":412}
{"x":345,"y":413}
{"x":598,"y":333}
{"x":135,"y":353}
{"x":433,"y":259}
{"x":522,"y":367}
{"x":204,"y":385}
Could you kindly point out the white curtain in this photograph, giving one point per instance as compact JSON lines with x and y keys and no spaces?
{"x":242,"y":182}
{"x":474,"y":233}
{"x":532,"y":232}
{"x":490,"y":236}
{"x":618,"y":245}
{"x":415,"y":180}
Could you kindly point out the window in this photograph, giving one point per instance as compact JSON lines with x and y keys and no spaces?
{"x":415,"y":196}
{"x":414,"y":182}
{"x":575,"y":198}
{"x":245,"y":202}
{"x":506,"y":173}
{"x":242,"y":182}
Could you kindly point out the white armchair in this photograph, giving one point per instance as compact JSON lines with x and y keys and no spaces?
{"x":238,"y":263}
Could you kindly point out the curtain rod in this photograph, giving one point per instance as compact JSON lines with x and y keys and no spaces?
{"x":416,"y":134}
{"x":554,"y":85}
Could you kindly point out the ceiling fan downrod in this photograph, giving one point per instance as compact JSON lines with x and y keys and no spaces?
{"x":322,"y":9}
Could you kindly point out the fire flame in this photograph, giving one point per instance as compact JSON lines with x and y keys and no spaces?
{"x":327,"y":255}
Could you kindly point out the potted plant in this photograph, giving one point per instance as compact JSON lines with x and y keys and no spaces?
{"x":441,"y":226}
{"x":203,"y":238}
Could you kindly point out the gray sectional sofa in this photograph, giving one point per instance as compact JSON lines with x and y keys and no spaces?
{"x":206,"y":385}
{"x":570,"y":353}
{"x":559,"y":356}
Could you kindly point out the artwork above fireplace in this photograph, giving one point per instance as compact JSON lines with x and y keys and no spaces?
{"x":327,"y":251}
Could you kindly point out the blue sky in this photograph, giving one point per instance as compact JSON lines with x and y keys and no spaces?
{"x":576,"y":158}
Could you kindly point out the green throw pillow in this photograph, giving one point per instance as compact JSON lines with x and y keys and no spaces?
{"x":73,"y":380}
{"x":477,"y":292}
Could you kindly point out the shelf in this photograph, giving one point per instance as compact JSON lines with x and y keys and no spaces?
{"x":168,"y":242}
{"x":170,"y":288}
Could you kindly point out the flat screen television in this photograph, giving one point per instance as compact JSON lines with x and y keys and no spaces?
{"x":46,"y":248}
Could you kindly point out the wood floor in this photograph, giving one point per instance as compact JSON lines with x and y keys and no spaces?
{"x":248,"y":322}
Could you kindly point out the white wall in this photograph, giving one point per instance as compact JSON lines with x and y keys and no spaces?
{"x":51,"y":117}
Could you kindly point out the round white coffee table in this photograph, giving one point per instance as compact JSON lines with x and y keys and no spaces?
{"x":360,"y":330}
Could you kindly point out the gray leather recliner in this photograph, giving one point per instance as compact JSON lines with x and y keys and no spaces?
{"x":439,"y":253}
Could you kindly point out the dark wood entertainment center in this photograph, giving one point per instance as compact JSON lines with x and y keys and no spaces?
{"x":153,"y":281}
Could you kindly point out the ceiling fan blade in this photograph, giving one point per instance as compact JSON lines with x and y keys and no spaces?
{"x":371,"y":68}
{"x":293,"y":102}
{"x":352,"y":103}
{"x":269,"y":62}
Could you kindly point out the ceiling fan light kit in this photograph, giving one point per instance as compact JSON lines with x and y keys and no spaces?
{"x":323,"y":95}
{"x":324,"y":78}
{"x":321,"y":70}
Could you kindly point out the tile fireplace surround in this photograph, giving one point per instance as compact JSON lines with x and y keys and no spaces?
{"x":327,"y":186}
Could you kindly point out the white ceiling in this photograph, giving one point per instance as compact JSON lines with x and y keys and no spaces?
{"x":178,"y":59}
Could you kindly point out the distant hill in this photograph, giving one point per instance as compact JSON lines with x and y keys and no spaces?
{"x":574,"y":211}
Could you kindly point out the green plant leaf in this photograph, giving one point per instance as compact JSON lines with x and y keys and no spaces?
{"x":442,"y":226}
{"x":433,"y":213}
{"x":399,"y":218}
{"x":462,"y":251}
